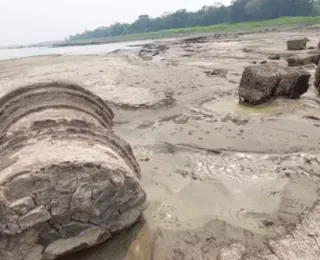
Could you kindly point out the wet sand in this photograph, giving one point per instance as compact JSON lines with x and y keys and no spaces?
{"x":224,"y":181}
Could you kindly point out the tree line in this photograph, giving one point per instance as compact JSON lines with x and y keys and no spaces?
{"x":237,"y":11}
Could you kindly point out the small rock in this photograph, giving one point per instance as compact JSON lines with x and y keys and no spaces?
{"x":297,"y":44}
{"x":311,"y":48}
{"x":247,"y":50}
{"x":198,"y":39}
{"x":263,"y":62}
{"x":23,"y":205}
{"x":274,"y":57}
{"x":233,"y":252}
{"x":34,"y":217}
{"x":101,"y":70}
{"x":217,"y":72}
{"x":312,"y":118}
{"x":294,"y":62}
{"x":317,"y":78}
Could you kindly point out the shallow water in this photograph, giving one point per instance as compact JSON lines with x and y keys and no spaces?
{"x":70,"y":50}
{"x":242,"y":197}
{"x":274,"y":107}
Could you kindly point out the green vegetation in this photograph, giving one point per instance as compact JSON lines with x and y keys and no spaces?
{"x":240,"y":15}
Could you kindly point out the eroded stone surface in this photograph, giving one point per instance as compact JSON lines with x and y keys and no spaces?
{"x":297,"y":44}
{"x":317,"y":78}
{"x":72,"y":183}
{"x":260,"y":83}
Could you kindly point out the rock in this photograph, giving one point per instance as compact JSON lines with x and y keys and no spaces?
{"x":247,"y":50}
{"x":67,"y":181}
{"x":317,"y":78}
{"x":32,"y":218}
{"x":198,"y":39}
{"x":311,"y":48}
{"x":319,"y":45}
{"x":23,"y":205}
{"x":233,"y":252}
{"x":263,"y":62}
{"x":152,"y":49}
{"x":297,"y":44}
{"x":217,"y":72}
{"x":274,"y":57}
{"x":294,"y":62}
{"x":260,"y":83}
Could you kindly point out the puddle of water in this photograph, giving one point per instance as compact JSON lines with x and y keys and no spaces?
{"x":230,"y":203}
{"x":252,"y":193}
{"x":277,"y":106}
{"x":132,"y":244}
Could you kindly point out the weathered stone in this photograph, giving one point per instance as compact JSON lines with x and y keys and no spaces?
{"x":262,"y":82}
{"x":69,"y":175}
{"x":274,"y":57}
{"x":34,"y":217}
{"x":232,"y":252}
{"x":314,"y":59}
{"x":317,"y":79}
{"x":222,"y":73}
{"x":60,"y":205}
{"x":297,"y":44}
{"x":87,"y":238}
{"x":47,"y":238}
{"x":73,"y":229}
{"x":23,"y":205}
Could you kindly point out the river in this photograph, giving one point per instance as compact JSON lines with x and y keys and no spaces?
{"x":6,"y":54}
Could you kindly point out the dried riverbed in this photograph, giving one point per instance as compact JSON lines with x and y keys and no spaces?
{"x":224,"y":181}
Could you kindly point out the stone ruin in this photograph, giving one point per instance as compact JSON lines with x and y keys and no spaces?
{"x":297,"y":44}
{"x":295,"y":62}
{"x":260,"y":83}
{"x":317,"y":78}
{"x":67,"y":181}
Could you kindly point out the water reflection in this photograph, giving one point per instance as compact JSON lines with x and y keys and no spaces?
{"x":133,"y":244}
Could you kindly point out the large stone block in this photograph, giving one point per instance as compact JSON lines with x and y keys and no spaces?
{"x":260,"y":83}
{"x":67,"y":181}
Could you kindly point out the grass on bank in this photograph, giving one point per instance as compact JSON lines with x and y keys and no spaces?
{"x":226,"y":27}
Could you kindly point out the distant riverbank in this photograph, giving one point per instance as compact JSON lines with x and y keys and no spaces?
{"x":219,"y":28}
{"x":279,"y":23}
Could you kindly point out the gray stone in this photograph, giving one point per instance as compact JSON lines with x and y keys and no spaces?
{"x":274,"y":57}
{"x":59,"y":196}
{"x":60,"y":205}
{"x":73,"y":229}
{"x":34,"y":217}
{"x":294,"y":62}
{"x":297,"y":44}
{"x":262,"y":82}
{"x":23,"y":205}
{"x":317,"y":78}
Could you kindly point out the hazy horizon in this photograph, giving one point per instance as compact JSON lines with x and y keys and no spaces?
{"x":25,"y":22}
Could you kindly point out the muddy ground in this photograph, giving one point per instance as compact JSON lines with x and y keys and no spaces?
{"x":224,"y":181}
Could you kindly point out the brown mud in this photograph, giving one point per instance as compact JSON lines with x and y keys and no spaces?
{"x":224,"y":180}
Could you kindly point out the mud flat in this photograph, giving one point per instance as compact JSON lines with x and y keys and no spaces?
{"x":224,"y":181}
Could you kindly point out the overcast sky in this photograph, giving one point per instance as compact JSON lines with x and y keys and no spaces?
{"x":30,"y":21}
